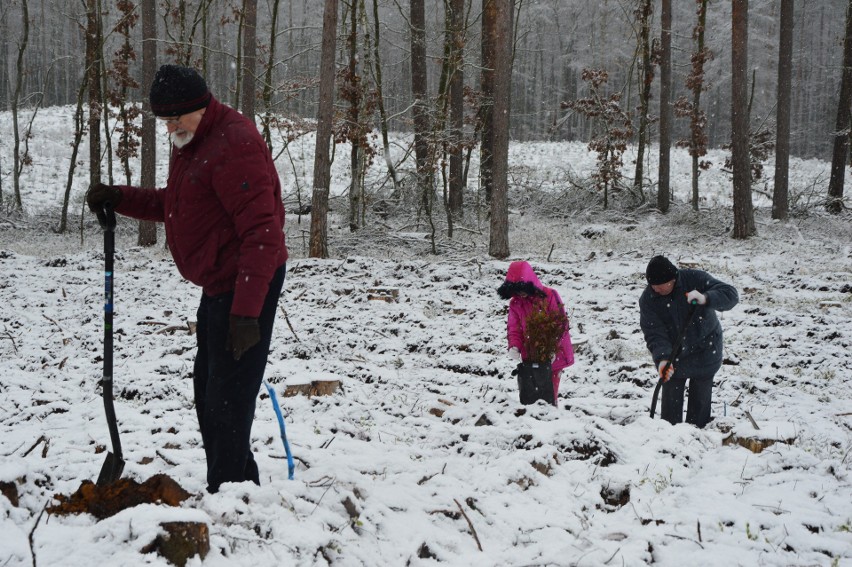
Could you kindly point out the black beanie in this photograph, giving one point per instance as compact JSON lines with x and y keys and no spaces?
{"x":660,"y":271}
{"x":178,"y":90}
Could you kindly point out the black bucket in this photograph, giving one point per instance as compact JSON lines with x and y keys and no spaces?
{"x":535,"y":382}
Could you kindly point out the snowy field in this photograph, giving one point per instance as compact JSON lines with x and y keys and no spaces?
{"x":425,"y":456}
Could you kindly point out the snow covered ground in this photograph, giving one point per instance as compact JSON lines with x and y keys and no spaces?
{"x":425,"y":456}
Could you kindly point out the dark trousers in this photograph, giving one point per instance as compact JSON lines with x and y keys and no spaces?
{"x":700,"y":396}
{"x":226,"y":389}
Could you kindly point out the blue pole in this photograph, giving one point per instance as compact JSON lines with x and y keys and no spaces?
{"x":291,"y":466}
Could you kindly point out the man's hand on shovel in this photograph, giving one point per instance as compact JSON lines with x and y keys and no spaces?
{"x":666,"y":370}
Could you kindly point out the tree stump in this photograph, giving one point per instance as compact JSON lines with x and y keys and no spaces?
{"x":313,"y":388}
{"x":756,"y":437}
{"x":181,"y":541}
{"x":438,"y":411}
{"x":389,"y":295}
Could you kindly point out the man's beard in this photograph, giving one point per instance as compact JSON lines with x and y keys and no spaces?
{"x":180,"y":138}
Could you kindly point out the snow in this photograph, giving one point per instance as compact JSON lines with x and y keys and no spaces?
{"x":426,"y":437}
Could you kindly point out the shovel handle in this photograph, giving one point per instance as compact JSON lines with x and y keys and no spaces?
{"x":675,"y":354}
{"x":106,"y":382}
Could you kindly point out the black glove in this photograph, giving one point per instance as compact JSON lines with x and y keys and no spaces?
{"x":98,"y":195}
{"x":243,"y":333}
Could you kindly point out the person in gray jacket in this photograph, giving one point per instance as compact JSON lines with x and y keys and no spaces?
{"x":664,"y":309}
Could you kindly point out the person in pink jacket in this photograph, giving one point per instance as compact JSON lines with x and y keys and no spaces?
{"x":524,"y":290}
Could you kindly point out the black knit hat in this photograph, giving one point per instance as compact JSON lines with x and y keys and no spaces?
{"x":178,"y":90}
{"x":660,"y":271}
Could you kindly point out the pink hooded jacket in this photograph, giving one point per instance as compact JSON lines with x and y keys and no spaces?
{"x":521,"y":307}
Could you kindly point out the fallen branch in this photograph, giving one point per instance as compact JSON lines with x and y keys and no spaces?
{"x":39,"y":440}
{"x":171,"y":329}
{"x":611,"y":557}
{"x":167,"y":461}
{"x":330,"y":484}
{"x":469,"y":523}
{"x":431,"y":476}
{"x":686,"y":539}
{"x":32,"y":531}
{"x":52,"y":321}
{"x":11,"y":339}
{"x":751,"y":419}
{"x":15,"y":450}
{"x":287,"y":319}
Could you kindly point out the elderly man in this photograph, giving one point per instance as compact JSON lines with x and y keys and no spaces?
{"x":224,"y":222}
{"x":663,"y":311}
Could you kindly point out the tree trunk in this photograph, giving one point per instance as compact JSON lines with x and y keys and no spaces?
{"x":79,"y":130}
{"x":841,"y":129}
{"x":698,"y":137}
{"x":456,"y":183}
{"x":148,"y":229}
{"x":380,"y":96}
{"x":419,"y":109}
{"x":780,"y":201}
{"x":4,"y":86}
{"x":440,"y":131}
{"x":249,"y":66}
{"x":646,"y":77}
{"x":486,"y":108}
{"x":743,"y":209}
{"x":663,"y":190}
{"x":325,"y":116}
{"x":17,"y":162}
{"x":270,"y":67}
{"x":93,"y":67}
{"x":498,"y":245}
{"x":355,"y":95}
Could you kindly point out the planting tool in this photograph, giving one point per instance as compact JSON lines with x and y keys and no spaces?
{"x":291,"y":465}
{"x":675,"y":353}
{"x":114,"y":463}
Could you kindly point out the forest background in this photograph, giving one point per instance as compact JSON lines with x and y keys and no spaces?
{"x":758,"y":77}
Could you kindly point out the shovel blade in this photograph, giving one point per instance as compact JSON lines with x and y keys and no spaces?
{"x":111,"y":470}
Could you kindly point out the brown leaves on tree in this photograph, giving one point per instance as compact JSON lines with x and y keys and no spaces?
{"x":614,"y":127}
{"x":543,"y":331}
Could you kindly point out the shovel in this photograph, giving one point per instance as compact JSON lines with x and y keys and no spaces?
{"x":675,"y":353}
{"x":114,"y":464}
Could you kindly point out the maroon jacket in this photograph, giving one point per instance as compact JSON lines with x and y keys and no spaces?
{"x":222,"y":209}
